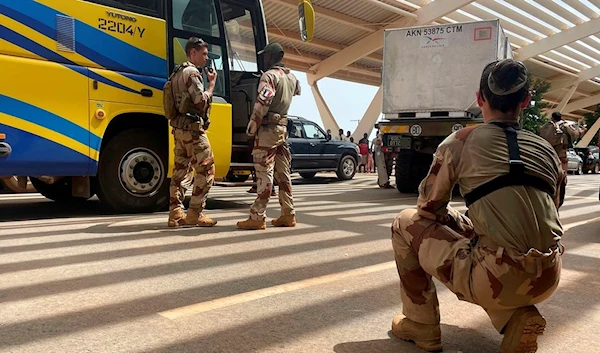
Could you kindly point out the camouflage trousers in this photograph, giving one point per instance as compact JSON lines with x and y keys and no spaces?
{"x":494,"y":278}
{"x":192,"y":152}
{"x":272,"y":163}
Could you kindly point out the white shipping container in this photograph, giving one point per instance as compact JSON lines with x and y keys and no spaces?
{"x":438,"y":67}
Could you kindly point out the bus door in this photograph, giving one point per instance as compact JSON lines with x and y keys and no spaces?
{"x":201,"y":18}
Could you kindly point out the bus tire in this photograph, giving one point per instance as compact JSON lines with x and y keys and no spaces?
{"x":132,"y":172}
{"x":59,"y":191}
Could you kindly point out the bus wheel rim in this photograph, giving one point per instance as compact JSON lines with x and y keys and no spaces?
{"x":141,"y":172}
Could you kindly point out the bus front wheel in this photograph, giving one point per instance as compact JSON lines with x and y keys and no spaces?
{"x":132,"y":172}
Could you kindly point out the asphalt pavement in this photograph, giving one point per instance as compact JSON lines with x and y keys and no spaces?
{"x":82,"y":279}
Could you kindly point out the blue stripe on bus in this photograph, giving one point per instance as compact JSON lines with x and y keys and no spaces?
{"x":49,"y":120}
{"x":120,"y":56}
{"x":154,"y":82}
{"x":56,"y":159}
{"x":40,"y":50}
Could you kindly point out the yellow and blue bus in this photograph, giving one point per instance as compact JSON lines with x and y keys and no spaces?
{"x":81,"y":92}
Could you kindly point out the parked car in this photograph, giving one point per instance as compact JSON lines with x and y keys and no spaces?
{"x":574,"y":162}
{"x":591,"y":158}
{"x":314,"y":151}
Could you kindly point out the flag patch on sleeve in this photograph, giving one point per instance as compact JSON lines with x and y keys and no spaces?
{"x":266,"y":93}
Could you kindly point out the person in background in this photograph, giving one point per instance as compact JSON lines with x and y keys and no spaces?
{"x":383,"y":164}
{"x":561,"y":135}
{"x":363,"y":146}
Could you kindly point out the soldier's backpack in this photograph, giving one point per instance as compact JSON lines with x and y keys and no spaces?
{"x":171,"y":111}
{"x":553,"y":133}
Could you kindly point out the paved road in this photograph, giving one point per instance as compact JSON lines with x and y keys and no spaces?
{"x":81,"y":279}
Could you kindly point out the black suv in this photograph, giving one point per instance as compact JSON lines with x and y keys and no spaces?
{"x":313,"y":151}
{"x":591,"y":158}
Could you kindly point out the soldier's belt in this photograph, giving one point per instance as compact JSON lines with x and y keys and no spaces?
{"x":276,"y":119}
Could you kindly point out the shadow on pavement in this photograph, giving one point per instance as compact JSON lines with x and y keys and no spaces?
{"x":26,"y":210}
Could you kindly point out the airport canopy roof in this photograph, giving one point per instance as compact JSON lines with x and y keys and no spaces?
{"x":558,"y":40}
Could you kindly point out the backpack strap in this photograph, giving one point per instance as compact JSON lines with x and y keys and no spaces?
{"x":516,"y":174}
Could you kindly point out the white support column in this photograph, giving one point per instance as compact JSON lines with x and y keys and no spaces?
{"x":558,"y":40}
{"x":367,"y":123}
{"x":565,"y":100}
{"x":587,"y":138}
{"x":326,"y":116}
{"x":582,"y":103}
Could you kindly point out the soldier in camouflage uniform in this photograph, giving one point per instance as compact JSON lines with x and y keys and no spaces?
{"x":192,"y":148}
{"x":504,"y":257}
{"x":268,"y":127}
{"x":560,"y":134}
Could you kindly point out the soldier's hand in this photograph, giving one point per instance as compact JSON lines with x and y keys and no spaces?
{"x":212,"y":76}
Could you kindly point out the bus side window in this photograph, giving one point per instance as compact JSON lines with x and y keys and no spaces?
{"x":198,"y":16}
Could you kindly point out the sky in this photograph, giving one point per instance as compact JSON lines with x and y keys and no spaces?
{"x":347,"y":101}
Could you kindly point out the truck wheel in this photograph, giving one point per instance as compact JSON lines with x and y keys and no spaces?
{"x":233,"y":178}
{"x":132,"y":172}
{"x":308,"y":175}
{"x":411,"y":168}
{"x":347,"y":168}
{"x":60,"y":191}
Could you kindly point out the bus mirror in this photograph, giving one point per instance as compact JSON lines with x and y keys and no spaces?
{"x":306,"y":18}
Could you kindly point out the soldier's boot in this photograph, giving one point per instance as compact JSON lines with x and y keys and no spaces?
{"x":195,"y":218}
{"x":176,"y":217}
{"x":285,"y":221}
{"x":426,"y":337}
{"x":520,"y":334}
{"x":251,"y":224}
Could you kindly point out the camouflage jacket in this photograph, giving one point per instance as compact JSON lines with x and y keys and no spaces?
{"x":188,"y":81}
{"x":276,"y":89}
{"x":516,"y":217}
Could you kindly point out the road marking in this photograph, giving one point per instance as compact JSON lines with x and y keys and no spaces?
{"x":194,"y":309}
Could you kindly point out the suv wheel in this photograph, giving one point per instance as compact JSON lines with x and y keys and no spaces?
{"x":347,"y":168}
{"x":308,"y":175}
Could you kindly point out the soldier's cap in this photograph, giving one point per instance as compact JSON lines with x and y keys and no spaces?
{"x":557,"y":115}
{"x":507,"y":77}
{"x":272,"y":48}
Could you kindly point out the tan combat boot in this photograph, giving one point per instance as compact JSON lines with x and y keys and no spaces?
{"x":426,"y":337}
{"x":194,"y":218}
{"x":285,"y":221}
{"x":520,"y":334}
{"x":176,"y":218}
{"x":251,"y":224}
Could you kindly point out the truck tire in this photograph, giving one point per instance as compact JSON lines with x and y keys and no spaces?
{"x":347,"y":168}
{"x":308,"y":175}
{"x":411,"y":168}
{"x":132,"y":172}
{"x":60,"y":191}
{"x":233,"y":178}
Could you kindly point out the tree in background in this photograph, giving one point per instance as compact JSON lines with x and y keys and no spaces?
{"x":533,"y":117}
{"x":590,"y":119}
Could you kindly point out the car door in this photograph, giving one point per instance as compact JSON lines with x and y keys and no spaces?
{"x":299,"y":147}
{"x":318,"y":143}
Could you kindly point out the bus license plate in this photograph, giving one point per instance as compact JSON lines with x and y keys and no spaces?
{"x":402,"y":142}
